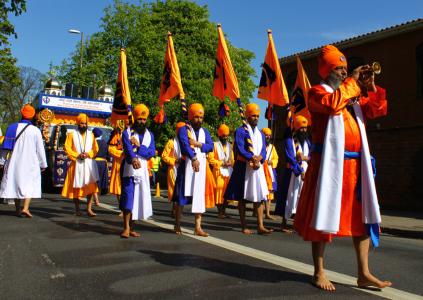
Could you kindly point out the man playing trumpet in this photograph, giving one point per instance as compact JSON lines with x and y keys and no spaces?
{"x":330,"y":204}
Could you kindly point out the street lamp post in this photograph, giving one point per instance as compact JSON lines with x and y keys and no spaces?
{"x":81,"y":50}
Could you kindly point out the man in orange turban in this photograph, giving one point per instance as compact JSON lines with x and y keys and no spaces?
{"x":190,"y":186}
{"x":81,"y":178}
{"x":297,"y":147}
{"x":23,"y":145}
{"x":139,"y":147}
{"x":271,"y":163}
{"x":222,"y":160}
{"x":248,"y":181}
{"x":340,"y":157}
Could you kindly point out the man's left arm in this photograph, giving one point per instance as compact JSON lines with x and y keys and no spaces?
{"x":208,"y":146}
{"x":375,"y":104}
{"x":147,"y":152}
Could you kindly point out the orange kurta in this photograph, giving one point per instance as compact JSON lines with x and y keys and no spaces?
{"x":116,"y":151}
{"x":221,"y":182}
{"x":68,"y":190}
{"x":322,"y":104}
{"x":168,"y":157}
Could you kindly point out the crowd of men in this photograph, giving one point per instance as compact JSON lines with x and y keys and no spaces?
{"x":320,"y":181}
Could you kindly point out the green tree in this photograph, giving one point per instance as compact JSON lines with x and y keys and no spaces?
{"x":9,"y":72}
{"x":142,"y":30}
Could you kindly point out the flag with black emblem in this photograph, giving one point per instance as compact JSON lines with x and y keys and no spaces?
{"x":122,"y":101}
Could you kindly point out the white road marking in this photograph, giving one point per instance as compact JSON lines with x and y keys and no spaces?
{"x":390,"y":293}
{"x":50,"y":262}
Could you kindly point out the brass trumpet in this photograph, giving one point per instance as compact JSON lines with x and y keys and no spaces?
{"x":376,"y":68}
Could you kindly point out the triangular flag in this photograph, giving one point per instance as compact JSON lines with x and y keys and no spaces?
{"x":298,"y":103}
{"x":122,"y":102}
{"x":272,"y":86}
{"x":225,"y":81}
{"x":171,"y":85}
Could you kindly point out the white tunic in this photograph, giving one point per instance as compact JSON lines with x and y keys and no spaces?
{"x":22,"y":174}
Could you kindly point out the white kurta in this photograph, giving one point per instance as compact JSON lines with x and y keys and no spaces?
{"x":22,"y":174}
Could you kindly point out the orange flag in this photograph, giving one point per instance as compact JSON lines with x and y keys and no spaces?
{"x":225,"y":81}
{"x":298,"y":103}
{"x":122,"y":102}
{"x":272,"y":86}
{"x":171,"y":85}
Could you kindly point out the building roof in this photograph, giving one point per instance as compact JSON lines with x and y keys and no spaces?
{"x":361,"y":39}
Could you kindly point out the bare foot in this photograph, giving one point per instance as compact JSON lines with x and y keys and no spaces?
{"x":321,"y":282}
{"x":221,"y":216}
{"x":91,"y":214}
{"x":125,"y":234}
{"x":26,"y":214}
{"x":78,"y":213}
{"x":264,"y":231}
{"x":286,"y":230}
{"x":121,"y":214}
{"x":134,"y":234}
{"x":177,"y":230}
{"x":270,"y":217}
{"x":369,"y":280}
{"x":247,"y":231}
{"x":200,"y":232}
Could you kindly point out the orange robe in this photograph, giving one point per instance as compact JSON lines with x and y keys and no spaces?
{"x":221,"y":182}
{"x":168,"y":157}
{"x":321,"y":104}
{"x":68,"y":190}
{"x":116,"y":151}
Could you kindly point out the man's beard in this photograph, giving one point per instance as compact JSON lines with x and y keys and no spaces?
{"x":139,"y":128}
{"x":223,"y":140}
{"x":82,"y":129}
{"x":301,"y":137}
{"x":334,"y":81}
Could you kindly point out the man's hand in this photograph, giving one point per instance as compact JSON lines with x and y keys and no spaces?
{"x":194,"y":143}
{"x":195,"y":165}
{"x":43,"y":169}
{"x":302,"y":176}
{"x":136,"y":164}
{"x":82,"y":156}
{"x":134,"y":141}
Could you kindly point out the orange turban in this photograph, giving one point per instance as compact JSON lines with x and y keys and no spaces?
{"x":82,"y":118}
{"x":330,"y":58}
{"x":195,"y":109}
{"x":141,"y":111}
{"x":300,"y":121}
{"x":223,"y":130}
{"x":28,"y":112}
{"x":179,"y":125}
{"x":267,"y":131}
{"x":252,"y":108}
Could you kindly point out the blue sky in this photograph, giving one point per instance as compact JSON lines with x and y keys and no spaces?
{"x":296,"y":25}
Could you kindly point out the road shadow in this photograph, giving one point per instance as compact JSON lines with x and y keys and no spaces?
{"x":227,"y":268}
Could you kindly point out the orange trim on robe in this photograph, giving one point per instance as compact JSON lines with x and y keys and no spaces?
{"x":321,"y":105}
{"x":210,"y":187}
{"x":68,"y":191}
{"x":268,"y":180}
{"x":116,"y":151}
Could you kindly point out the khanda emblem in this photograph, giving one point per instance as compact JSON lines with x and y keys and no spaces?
{"x":218,"y":69}
{"x":298,"y":100}
{"x":166,"y":77}
{"x":267,"y":75}
{"x":118,"y":103}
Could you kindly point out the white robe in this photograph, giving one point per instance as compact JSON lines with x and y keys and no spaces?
{"x":86,"y":170}
{"x":142,"y":208}
{"x":295,"y":185}
{"x":224,"y":155}
{"x":22,"y":174}
{"x":195,"y":182}
{"x":255,"y":187}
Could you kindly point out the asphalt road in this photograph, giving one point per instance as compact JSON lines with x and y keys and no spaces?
{"x":61,"y":256}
